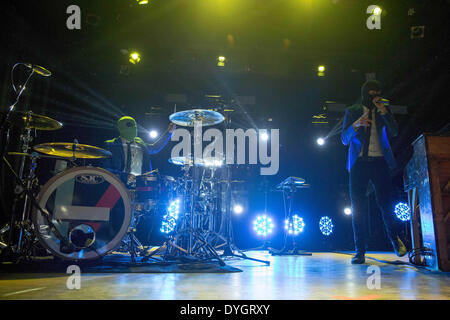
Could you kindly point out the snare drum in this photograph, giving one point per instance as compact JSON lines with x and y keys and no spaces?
{"x":90,"y":207}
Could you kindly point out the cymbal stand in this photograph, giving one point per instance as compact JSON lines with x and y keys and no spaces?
{"x":230,"y":248}
{"x":26,"y":188}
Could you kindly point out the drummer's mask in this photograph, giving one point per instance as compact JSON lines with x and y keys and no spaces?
{"x":127,"y":128}
{"x":367,"y":97}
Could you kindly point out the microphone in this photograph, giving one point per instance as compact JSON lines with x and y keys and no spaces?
{"x":383,"y":101}
{"x":38,"y":69}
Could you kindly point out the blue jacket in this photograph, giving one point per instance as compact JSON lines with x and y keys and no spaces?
{"x":386,"y":125}
{"x":116,"y":164}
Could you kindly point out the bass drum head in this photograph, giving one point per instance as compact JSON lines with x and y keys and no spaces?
{"x":90,"y":207}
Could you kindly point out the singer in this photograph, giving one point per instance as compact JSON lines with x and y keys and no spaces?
{"x":366,"y":127}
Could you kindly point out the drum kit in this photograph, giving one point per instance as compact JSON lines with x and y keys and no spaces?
{"x":84,"y":212}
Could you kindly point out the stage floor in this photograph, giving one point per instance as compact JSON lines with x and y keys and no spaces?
{"x":320,"y":276}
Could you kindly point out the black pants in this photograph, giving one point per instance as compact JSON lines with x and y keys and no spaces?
{"x":376,"y":171}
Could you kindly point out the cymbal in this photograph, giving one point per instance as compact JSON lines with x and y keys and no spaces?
{"x":205,"y":162}
{"x":66,"y":150}
{"x":34,"y":154}
{"x":181,"y":161}
{"x":30,"y":120}
{"x":187,"y":118}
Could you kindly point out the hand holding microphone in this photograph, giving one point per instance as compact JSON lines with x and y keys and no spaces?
{"x":380,"y":103}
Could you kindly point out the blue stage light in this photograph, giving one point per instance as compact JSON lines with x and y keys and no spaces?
{"x":170,"y":219}
{"x":263,"y":225}
{"x":295,"y":225}
{"x":326,"y":226}
{"x":402,"y":211}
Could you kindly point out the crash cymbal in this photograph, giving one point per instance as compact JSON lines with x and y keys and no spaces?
{"x":30,"y":120}
{"x":205,"y":117}
{"x":71,"y":150}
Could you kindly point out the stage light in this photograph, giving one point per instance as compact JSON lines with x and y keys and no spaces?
{"x":238,"y":209}
{"x":321,"y":71}
{"x":326,"y":226}
{"x":153,"y":134}
{"x":264,"y":136}
{"x":142,"y":2}
{"x":135,"y":57}
{"x":221,"y":61}
{"x":294,"y":226}
{"x":402,"y":211}
{"x":320,"y":141}
{"x":377,"y":11}
{"x":348,"y":211}
{"x":263,"y":225}
{"x":169,"y":221}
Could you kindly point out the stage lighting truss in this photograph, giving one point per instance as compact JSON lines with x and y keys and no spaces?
{"x":169,"y":221}
{"x":402,"y":211}
{"x":326,"y":226}
{"x":295,"y":225}
{"x":263,"y":225}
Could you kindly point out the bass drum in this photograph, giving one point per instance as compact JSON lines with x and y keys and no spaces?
{"x":90,"y":207}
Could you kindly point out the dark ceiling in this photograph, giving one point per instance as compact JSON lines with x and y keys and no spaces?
{"x":273,"y":48}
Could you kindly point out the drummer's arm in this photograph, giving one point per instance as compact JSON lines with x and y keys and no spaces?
{"x":162,"y":141}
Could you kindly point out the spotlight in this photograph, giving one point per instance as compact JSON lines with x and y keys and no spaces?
{"x":263,"y":225}
{"x":377,"y":11}
{"x":221,"y":61}
{"x":153,"y":134}
{"x":320,"y":141}
{"x":135,"y":57}
{"x":402,"y":211}
{"x":321,"y":71}
{"x":264,"y":136}
{"x":295,"y":226}
{"x":348,"y":211}
{"x":142,"y":2}
{"x":169,"y":220}
{"x":326,"y":226}
{"x":238,"y":209}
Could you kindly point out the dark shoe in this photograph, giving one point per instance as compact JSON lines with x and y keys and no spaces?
{"x":358,"y":258}
{"x":399,"y":247}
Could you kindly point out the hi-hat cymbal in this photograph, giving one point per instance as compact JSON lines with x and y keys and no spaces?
{"x":205,"y":162}
{"x":204,"y":117}
{"x":34,"y":154}
{"x":70,"y":150}
{"x":30,"y":120}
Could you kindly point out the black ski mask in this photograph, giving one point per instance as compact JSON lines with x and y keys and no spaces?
{"x":366,"y":98}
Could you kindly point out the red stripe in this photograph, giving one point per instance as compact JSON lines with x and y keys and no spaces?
{"x":108,"y":200}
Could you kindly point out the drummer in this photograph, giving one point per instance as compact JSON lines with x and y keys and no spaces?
{"x":130,"y":154}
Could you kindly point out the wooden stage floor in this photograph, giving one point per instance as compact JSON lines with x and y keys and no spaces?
{"x":320,"y":276}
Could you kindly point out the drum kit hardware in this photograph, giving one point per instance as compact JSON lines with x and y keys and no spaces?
{"x":84,"y":212}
